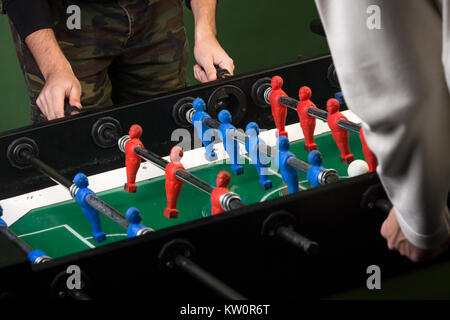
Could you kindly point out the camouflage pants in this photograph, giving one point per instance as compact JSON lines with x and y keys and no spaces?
{"x":126,"y":50}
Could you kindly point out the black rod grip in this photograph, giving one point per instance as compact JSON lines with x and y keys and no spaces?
{"x":206,"y":278}
{"x":384,"y":205}
{"x":296,"y":239}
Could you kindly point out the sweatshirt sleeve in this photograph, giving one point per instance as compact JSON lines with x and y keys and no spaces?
{"x":395,"y":75}
{"x":28,"y":16}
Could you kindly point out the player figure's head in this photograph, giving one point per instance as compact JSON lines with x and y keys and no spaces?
{"x":315,"y":158}
{"x":81,"y":180}
{"x":252,"y":129}
{"x":223,"y":179}
{"x":276,"y":82}
{"x":133,"y":215}
{"x":333,"y":105}
{"x":199,"y":105}
{"x":283,"y":143}
{"x":225,"y":116}
{"x":176,"y":153}
{"x":135,"y":131}
{"x":304,"y":93}
{"x":1,"y":211}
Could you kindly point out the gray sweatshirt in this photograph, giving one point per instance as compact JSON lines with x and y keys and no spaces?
{"x":393,"y":62}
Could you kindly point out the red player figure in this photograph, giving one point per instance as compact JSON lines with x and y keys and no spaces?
{"x":307,"y":122}
{"x":132,"y":160}
{"x":173,"y":184}
{"x":279,"y":111}
{"x":222,"y":181}
{"x":371,"y":159}
{"x":340,"y":135}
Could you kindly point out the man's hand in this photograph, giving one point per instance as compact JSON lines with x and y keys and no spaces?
{"x":208,"y":52}
{"x":59,"y":86}
{"x":396,"y":240}
{"x":60,"y":81}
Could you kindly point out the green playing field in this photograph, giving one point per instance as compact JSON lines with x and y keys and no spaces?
{"x":62,"y":229}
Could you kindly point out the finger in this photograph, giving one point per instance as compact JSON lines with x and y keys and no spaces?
{"x":228,"y":64}
{"x":57,"y":102}
{"x":384,"y":230}
{"x":197,"y":70}
{"x":48,"y":102}
{"x":203,"y":77}
{"x":75,"y":97}
{"x":209,"y":70}
{"x":42,"y":105}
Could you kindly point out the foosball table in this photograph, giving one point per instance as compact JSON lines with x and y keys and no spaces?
{"x":166,"y":198}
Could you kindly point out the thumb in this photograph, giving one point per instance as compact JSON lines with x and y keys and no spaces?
{"x":75,"y":97}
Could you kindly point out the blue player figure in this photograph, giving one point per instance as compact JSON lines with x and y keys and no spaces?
{"x":259,"y":159}
{"x":204,"y":132}
{"x":2,"y":222}
{"x":135,"y":228}
{"x":231,"y":146}
{"x":82,"y":182}
{"x":315,"y":159}
{"x":36,"y":255}
{"x":288,"y":173}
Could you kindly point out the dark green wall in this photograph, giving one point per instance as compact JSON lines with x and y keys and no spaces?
{"x":256,"y":34}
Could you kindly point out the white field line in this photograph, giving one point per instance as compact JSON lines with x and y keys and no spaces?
{"x":70,"y":229}
{"x":110,"y":235}
{"x":76,"y":234}
{"x":37,"y":232}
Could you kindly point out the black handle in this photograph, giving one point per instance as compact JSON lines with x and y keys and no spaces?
{"x":222,"y":73}
{"x":68,"y":109}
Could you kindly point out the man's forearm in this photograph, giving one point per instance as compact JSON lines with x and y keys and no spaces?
{"x":46,"y":52}
{"x":205,"y":17}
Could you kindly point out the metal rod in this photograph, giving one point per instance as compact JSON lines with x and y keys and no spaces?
{"x":319,"y":114}
{"x":183,"y":175}
{"x":180,"y":173}
{"x":107,"y":210}
{"x":328,"y":176}
{"x":10,"y":235}
{"x":236,"y":204}
{"x":213,"y":124}
{"x":288,"y":102}
{"x":298,"y":164}
{"x":194,"y":181}
{"x":46,"y":170}
{"x":206,"y":278}
{"x":242,"y":137}
{"x":297,"y":240}
{"x":93,"y":201}
{"x":348,"y":125}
